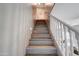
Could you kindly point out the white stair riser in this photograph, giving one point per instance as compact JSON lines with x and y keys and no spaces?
{"x":40,"y":31}
{"x":41,"y":39}
{"x":41,"y":35}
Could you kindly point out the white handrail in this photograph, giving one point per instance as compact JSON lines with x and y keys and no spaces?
{"x":70,"y":35}
{"x":66,"y":24}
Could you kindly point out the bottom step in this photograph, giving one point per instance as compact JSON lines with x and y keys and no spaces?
{"x":41,"y":50}
{"x":41,"y":55}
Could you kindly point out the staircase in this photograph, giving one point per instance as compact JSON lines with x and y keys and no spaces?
{"x":41,"y":43}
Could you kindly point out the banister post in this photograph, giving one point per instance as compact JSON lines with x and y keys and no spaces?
{"x":77,"y":37}
{"x":71,"y":43}
{"x":65,"y":39}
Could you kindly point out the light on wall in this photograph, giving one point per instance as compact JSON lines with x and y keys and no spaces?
{"x":36,"y":4}
{"x":42,"y":4}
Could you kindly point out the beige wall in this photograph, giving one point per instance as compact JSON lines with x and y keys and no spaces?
{"x":40,"y":13}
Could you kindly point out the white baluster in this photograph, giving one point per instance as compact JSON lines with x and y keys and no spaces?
{"x":71,"y":38}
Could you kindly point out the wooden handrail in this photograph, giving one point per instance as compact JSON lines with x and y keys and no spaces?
{"x":51,"y":8}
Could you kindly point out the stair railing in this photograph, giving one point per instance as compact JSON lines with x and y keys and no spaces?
{"x":66,"y":37}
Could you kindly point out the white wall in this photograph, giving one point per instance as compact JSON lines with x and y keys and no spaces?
{"x":67,"y":12}
{"x":15,"y":24}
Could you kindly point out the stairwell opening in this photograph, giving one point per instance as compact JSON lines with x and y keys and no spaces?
{"x":41,"y":43}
